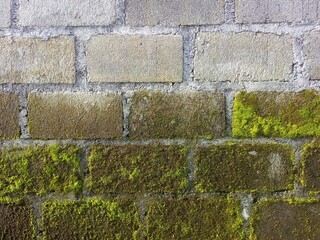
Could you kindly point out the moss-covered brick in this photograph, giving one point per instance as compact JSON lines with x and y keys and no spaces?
{"x":40,"y":170}
{"x":194,"y":219}
{"x":244,"y":166}
{"x":137,"y":168}
{"x":75,"y":115}
{"x":272,"y":114}
{"x":310,"y":176}
{"x":286,"y":219}
{"x":16,"y":221}
{"x":91,"y":219}
{"x":9,"y":115}
{"x":177,"y":115}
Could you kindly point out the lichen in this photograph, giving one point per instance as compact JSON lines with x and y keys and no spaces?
{"x":39,"y":170}
{"x":136,"y":168}
{"x":271,"y":114}
{"x":90,"y":219}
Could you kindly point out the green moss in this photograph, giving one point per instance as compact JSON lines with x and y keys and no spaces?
{"x":194,"y":219}
{"x":39,"y":170}
{"x":16,"y":221}
{"x":286,"y":219}
{"x":136,"y":168}
{"x":244,"y":167}
{"x":272,"y":114}
{"x":177,"y":115}
{"x":310,"y":166}
{"x":91,"y":219}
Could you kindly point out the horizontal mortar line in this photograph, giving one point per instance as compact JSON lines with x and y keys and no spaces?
{"x":195,"y":142}
{"x":169,"y":87}
{"x":154,"y":30}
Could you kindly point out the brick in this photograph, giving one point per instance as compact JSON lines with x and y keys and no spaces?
{"x":134,"y":168}
{"x":273,"y":114}
{"x":9,"y":115}
{"x":312,"y":54}
{"x":91,"y":219}
{"x":243,"y":57}
{"x":286,"y":219}
{"x":5,"y":13}
{"x":243,"y":166}
{"x":40,"y":170}
{"x":274,"y":11}
{"x":135,"y":58}
{"x":37,"y":61}
{"x":194,"y":219}
{"x":177,"y":115}
{"x":76,"y":115}
{"x":16,"y":222}
{"x":67,"y":13}
{"x":174,"y":12}
{"x":311,"y":166}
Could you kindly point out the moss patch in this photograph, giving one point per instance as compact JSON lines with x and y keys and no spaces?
{"x":194,"y":219}
{"x":92,"y":219}
{"x":271,"y":114}
{"x":16,"y":221}
{"x":286,"y":219}
{"x":177,"y":115}
{"x":310,"y":176}
{"x":134,"y":168}
{"x":241,"y":166}
{"x":40,"y":170}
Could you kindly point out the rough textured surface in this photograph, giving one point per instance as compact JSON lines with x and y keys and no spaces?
{"x":273,"y":114}
{"x":92,"y":219}
{"x":37,"y":61}
{"x":280,"y":219}
{"x":312,"y":54}
{"x":194,"y":219}
{"x":40,"y":170}
{"x":243,"y":57}
{"x":240,"y":166}
{"x":311,"y":166}
{"x":16,"y":222}
{"x":274,"y":11}
{"x":5,"y":13}
{"x":177,"y":115}
{"x":127,"y":58}
{"x":174,"y":12}
{"x":9,"y":115}
{"x":75,"y":115}
{"x":134,"y":168}
{"x":66,"y":13}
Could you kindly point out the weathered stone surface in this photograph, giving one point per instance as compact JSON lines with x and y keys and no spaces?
{"x":92,"y":219}
{"x":286,"y":219}
{"x":174,"y":12}
{"x":39,"y":170}
{"x":274,"y":114}
{"x":311,"y":166}
{"x":194,"y":219}
{"x":252,"y":11}
{"x":312,"y":54}
{"x":135,"y":168}
{"x":35,"y":60}
{"x":243,"y":57}
{"x":127,"y":58}
{"x":177,"y":115}
{"x":241,"y":166}
{"x":76,"y":115}
{"x":9,"y":116}
{"x":5,"y":13}
{"x":15,"y":221}
{"x":67,"y":12}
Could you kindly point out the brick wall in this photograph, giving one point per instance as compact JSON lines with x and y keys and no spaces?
{"x":145,"y":119}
